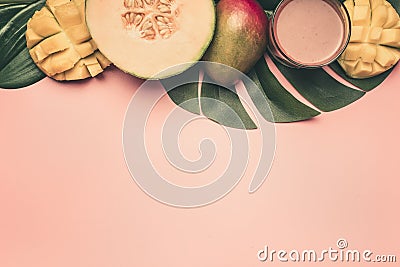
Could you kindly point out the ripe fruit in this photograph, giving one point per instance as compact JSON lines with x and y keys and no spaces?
{"x":375,"y":38}
{"x":240,"y":38}
{"x":145,"y":37}
{"x":60,"y":44}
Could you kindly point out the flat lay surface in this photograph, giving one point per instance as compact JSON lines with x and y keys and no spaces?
{"x":67,"y":198}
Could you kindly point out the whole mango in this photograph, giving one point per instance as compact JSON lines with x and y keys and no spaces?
{"x":240,"y":39}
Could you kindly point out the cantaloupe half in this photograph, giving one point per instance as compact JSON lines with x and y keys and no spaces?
{"x":146,"y":37}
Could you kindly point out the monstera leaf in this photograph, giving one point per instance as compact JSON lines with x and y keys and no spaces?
{"x":324,"y":92}
{"x":16,"y":66}
{"x":317,"y":86}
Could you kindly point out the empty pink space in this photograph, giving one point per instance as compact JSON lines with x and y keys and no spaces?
{"x":67,"y":198}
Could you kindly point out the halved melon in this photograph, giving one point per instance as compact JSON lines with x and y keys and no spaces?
{"x":145,"y":37}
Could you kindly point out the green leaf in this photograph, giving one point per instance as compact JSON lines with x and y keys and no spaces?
{"x":317,"y":86}
{"x":20,"y":72}
{"x":395,"y":4}
{"x":320,"y":88}
{"x":284,"y":106}
{"x":16,"y":67}
{"x":7,"y":11}
{"x":26,"y":2}
{"x":221,"y":110}
{"x":184,"y":95}
{"x":215,"y":102}
{"x":269,"y":4}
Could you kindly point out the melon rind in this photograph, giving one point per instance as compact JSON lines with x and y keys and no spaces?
{"x":152,"y":59}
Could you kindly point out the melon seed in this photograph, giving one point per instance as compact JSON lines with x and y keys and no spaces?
{"x":137,"y":20}
{"x":145,"y":15}
{"x":139,"y":3}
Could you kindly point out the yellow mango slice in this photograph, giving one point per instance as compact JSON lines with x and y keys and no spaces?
{"x":379,"y":16}
{"x":392,"y":18}
{"x":353,"y":52}
{"x":55,"y":43}
{"x":390,"y":37}
{"x":103,"y":61}
{"x":32,"y":38}
{"x":44,"y":23}
{"x":362,"y":69}
{"x":361,"y":2}
{"x":84,"y":49}
{"x":377,"y":3}
{"x":359,"y":34}
{"x":361,"y":15}
{"x":60,"y":44}
{"x":350,"y":65}
{"x":384,"y":56}
{"x":375,"y":34}
{"x":374,"y":45}
{"x":378,"y":69}
{"x":38,"y":54}
{"x":368,"y":53}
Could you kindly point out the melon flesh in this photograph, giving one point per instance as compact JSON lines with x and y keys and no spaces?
{"x":145,"y":37}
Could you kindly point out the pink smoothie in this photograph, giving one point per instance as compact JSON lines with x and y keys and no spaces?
{"x":310,"y":32}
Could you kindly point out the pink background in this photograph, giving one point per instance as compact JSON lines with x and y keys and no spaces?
{"x":67,"y":198}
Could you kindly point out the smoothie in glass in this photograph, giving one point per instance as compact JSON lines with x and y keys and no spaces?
{"x":309,"y":33}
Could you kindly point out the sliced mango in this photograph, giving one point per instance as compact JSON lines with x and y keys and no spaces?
{"x":384,"y":56}
{"x":362,"y":68}
{"x":375,"y":34}
{"x":361,"y":15}
{"x":375,"y":38}
{"x":359,"y":34}
{"x":377,"y":3}
{"x":368,"y":53}
{"x":353,"y":52}
{"x":60,"y":44}
{"x":392,"y":18}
